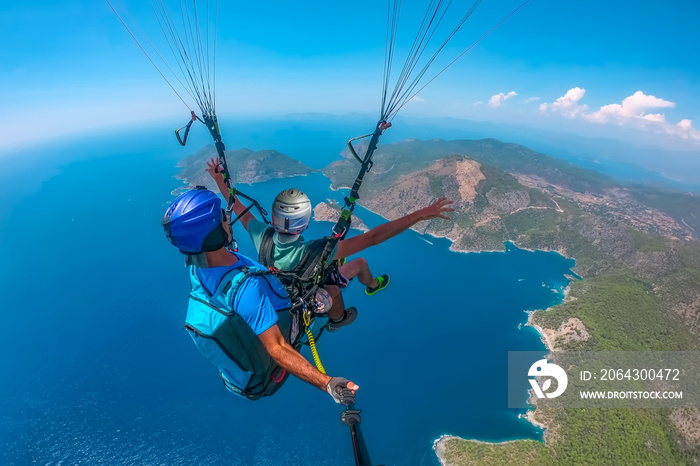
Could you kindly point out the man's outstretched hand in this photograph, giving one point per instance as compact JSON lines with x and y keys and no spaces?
{"x":436,"y":210}
{"x":342,"y":390}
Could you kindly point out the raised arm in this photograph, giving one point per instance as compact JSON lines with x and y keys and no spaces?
{"x":238,"y":206}
{"x":348,"y":247}
{"x":296,"y":364}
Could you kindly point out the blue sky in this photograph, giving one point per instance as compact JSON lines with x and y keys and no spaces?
{"x":599,"y":68}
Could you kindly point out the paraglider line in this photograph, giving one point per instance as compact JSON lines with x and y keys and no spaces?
{"x":463,"y":53}
{"x":147,"y":56}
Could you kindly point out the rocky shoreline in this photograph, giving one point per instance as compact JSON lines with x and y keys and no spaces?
{"x":548,"y":338}
{"x":439,"y":447}
{"x":330,"y":212}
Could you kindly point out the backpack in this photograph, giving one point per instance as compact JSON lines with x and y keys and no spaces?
{"x":226,"y":339}
{"x":313,"y":269}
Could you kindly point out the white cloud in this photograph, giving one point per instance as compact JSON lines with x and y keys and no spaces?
{"x":478,"y":103}
{"x":633,"y":111}
{"x":532,"y":99}
{"x":498,"y":99}
{"x":632,"y":108}
{"x":567,"y":104}
{"x":684,"y":129}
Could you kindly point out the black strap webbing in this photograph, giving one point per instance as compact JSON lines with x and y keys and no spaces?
{"x":267,"y":247}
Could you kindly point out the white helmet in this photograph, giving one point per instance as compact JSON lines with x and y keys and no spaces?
{"x":291,"y":212}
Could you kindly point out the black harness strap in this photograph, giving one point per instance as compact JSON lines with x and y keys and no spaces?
{"x":313,"y":270}
{"x":183,"y":140}
{"x":267,"y":246}
{"x":341,"y":228}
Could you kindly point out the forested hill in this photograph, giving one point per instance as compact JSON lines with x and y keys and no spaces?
{"x":414,"y":154}
{"x":650,"y":209}
{"x":249,"y":167}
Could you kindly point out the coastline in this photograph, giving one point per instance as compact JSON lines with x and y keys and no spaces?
{"x":543,"y":336}
{"x":191,"y":183}
{"x":453,"y":248}
{"x":439,"y":446}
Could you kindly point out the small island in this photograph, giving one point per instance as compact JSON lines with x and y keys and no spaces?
{"x":249,"y":167}
{"x":330,"y":212}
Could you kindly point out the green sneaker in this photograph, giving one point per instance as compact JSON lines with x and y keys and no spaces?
{"x":382,"y":282}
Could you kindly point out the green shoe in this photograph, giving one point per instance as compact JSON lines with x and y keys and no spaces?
{"x":382,"y":282}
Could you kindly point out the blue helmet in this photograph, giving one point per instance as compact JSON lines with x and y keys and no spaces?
{"x":192,"y":223}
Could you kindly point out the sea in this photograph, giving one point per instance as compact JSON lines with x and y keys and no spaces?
{"x":97,"y":368}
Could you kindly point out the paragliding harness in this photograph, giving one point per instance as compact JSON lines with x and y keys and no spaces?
{"x":221,"y":334}
{"x":314,"y":268}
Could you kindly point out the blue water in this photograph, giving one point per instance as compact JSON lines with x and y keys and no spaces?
{"x":97,"y":368}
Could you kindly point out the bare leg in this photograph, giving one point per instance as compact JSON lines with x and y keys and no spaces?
{"x":337,"y":310}
{"x":358,"y":268}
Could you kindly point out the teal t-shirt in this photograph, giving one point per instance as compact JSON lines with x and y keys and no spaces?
{"x":286,"y":255}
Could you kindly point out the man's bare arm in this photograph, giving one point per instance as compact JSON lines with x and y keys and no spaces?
{"x":289,"y":359}
{"x":348,"y":247}
{"x":238,"y":206}
{"x":342,"y":390}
